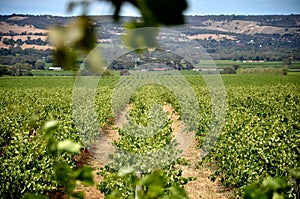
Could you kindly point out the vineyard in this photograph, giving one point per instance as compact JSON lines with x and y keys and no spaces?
{"x":259,"y":137}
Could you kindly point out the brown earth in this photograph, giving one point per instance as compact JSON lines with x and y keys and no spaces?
{"x":27,"y":46}
{"x":6,"y":27}
{"x":244,"y":27}
{"x":216,"y":37}
{"x":18,"y":18}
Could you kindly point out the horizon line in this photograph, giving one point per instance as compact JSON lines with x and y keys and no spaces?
{"x":188,"y":15}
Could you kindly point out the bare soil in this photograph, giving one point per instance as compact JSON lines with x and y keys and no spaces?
{"x":244,"y":27}
{"x":202,"y":187}
{"x":90,"y":192}
{"x":216,"y":37}
{"x":5,"y":27}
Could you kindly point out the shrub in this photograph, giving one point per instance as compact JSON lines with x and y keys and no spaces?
{"x":124,"y":72}
{"x":260,"y":70}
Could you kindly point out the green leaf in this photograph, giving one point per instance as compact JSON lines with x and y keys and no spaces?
{"x":177,"y":192}
{"x":66,"y":58}
{"x":166,"y":11}
{"x":34,"y":196}
{"x":51,"y":125}
{"x":277,"y":196}
{"x":124,"y":171}
{"x":51,"y":145}
{"x":274,"y":184}
{"x":68,"y":146}
{"x":140,"y":38}
{"x":85,"y":175}
{"x":79,"y":195}
{"x":62,"y":173}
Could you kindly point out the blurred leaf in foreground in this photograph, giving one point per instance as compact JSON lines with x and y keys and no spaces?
{"x":70,"y":41}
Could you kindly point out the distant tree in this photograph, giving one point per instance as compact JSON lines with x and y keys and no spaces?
{"x":29,"y":59}
{"x":7,"y":60}
{"x":19,"y":42}
{"x":124,"y":72}
{"x":12,"y":42}
{"x":5,"y":70}
{"x":21,"y":69}
{"x":11,"y":33}
{"x":107,"y":72}
{"x":287,"y":61}
{"x":39,"y":41}
{"x":49,"y":59}
{"x":40,"y":65}
{"x":6,"y":42}
{"x":231,"y":70}
{"x":235,"y":67}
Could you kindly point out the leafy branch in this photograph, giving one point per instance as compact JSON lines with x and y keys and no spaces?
{"x":65,"y":175}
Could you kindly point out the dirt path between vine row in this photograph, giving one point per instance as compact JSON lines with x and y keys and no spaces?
{"x":202,"y":187}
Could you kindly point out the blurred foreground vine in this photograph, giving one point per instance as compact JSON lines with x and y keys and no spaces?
{"x":78,"y":38}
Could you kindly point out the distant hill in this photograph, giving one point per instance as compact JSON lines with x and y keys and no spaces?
{"x":38,"y":21}
{"x":237,"y":37}
{"x":286,"y":21}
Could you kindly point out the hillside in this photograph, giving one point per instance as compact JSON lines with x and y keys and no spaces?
{"x":268,"y":38}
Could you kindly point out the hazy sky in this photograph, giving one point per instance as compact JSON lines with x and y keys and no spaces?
{"x":196,"y":7}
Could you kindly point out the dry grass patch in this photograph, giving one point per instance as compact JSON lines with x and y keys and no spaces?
{"x":5,"y":27}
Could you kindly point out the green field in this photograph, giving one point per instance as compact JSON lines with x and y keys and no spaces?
{"x":52,"y":73}
{"x":260,"y":136}
{"x":230,"y":63}
{"x":204,"y":63}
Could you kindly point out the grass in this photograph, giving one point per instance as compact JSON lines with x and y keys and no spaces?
{"x":52,"y":73}
{"x":36,"y":81}
{"x":229,"y":80}
{"x":261,"y":79}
